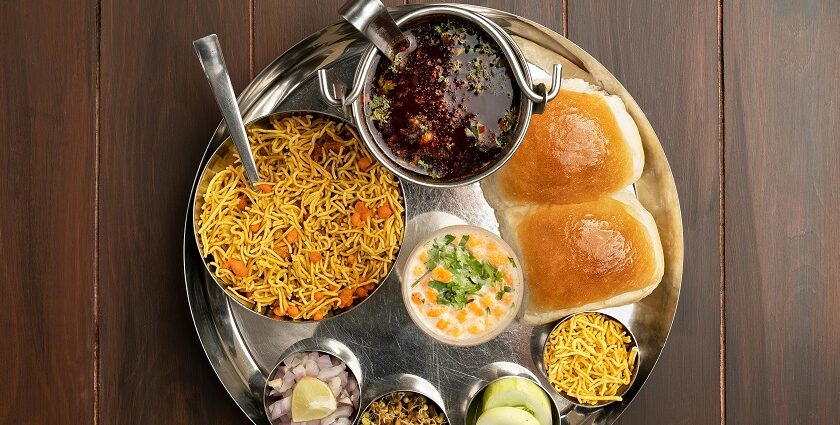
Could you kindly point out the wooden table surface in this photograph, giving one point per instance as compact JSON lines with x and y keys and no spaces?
{"x":105,"y":114}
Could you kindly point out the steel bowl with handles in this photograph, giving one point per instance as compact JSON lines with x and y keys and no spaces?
{"x":224,"y":156}
{"x":532,"y":99}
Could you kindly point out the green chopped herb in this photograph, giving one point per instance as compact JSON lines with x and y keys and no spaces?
{"x":464,"y":240}
{"x":397,"y":63}
{"x":380,"y":108}
{"x":507,"y":122}
{"x":385,"y":85}
{"x":501,"y":293}
{"x":512,"y":262}
{"x":469,"y":274}
{"x":485,"y":49}
{"x":426,"y":166}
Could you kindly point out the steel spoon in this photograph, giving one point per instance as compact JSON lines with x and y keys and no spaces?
{"x":210,"y":54}
{"x":372,"y":19}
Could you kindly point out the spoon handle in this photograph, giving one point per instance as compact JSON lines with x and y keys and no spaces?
{"x":372,"y":19}
{"x":210,"y":54}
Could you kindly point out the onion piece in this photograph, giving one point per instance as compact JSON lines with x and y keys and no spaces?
{"x":311,"y":367}
{"x":327,"y":374}
{"x":324,"y":362}
{"x":335,"y":386}
{"x":299,"y":371}
{"x":341,"y":412}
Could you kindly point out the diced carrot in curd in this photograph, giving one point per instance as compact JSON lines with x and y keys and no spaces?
{"x":497,"y":258}
{"x":442,"y":275}
{"x":454,"y":331}
{"x":475,"y":329}
{"x":474,"y":242}
{"x":507,"y":298}
{"x":418,"y":271}
{"x":475,"y":309}
{"x":442,"y":324}
{"x":461,"y":315}
{"x":424,"y":256}
{"x":431,"y":294}
{"x":434,"y":311}
{"x":499,"y":312}
{"x":486,"y":301}
{"x":507,"y":276}
{"x":416,"y":298}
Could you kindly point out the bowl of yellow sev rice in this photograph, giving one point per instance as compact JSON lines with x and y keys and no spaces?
{"x":317,"y":237}
{"x":591,"y":359}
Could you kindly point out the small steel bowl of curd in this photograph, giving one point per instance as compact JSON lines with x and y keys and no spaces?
{"x":463,"y":285}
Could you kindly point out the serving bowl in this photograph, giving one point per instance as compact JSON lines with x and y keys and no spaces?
{"x":405,"y":383}
{"x":355,"y":100}
{"x":224,"y":156}
{"x":326,"y":346}
{"x":518,"y":284}
{"x":633,"y":373}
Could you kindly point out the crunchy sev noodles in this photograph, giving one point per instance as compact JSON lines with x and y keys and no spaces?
{"x":297,"y":247}
{"x":587,"y":358}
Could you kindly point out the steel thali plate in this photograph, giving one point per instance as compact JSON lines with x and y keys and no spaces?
{"x":243,"y":347}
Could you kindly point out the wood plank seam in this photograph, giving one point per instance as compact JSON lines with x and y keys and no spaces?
{"x":96,"y":179}
{"x":251,"y":39}
{"x":565,"y":7}
{"x":722,"y":218}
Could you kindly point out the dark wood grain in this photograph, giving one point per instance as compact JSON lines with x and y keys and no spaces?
{"x":47,"y":223}
{"x":157,"y":117}
{"x":665,"y":54}
{"x":782,"y":120}
{"x":279,"y":25}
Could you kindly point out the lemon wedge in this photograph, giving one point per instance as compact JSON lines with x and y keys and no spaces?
{"x":312,"y":400}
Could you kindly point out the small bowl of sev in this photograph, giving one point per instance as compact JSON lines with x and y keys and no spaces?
{"x":317,"y":237}
{"x":591,"y":359}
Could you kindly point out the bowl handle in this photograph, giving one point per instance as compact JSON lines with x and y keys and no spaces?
{"x":335,"y":93}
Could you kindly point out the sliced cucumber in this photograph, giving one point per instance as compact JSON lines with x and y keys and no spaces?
{"x":506,"y":416}
{"x":519,"y":392}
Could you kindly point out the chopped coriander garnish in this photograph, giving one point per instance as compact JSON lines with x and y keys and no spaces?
{"x":397,"y":63}
{"x":464,"y":240}
{"x":380,"y":109}
{"x":512,"y":262}
{"x":501,"y":293}
{"x":469,"y":274}
{"x":507,"y":122}
{"x":385,"y":85}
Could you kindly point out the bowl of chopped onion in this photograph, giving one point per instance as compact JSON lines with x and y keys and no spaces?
{"x":319,"y":386}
